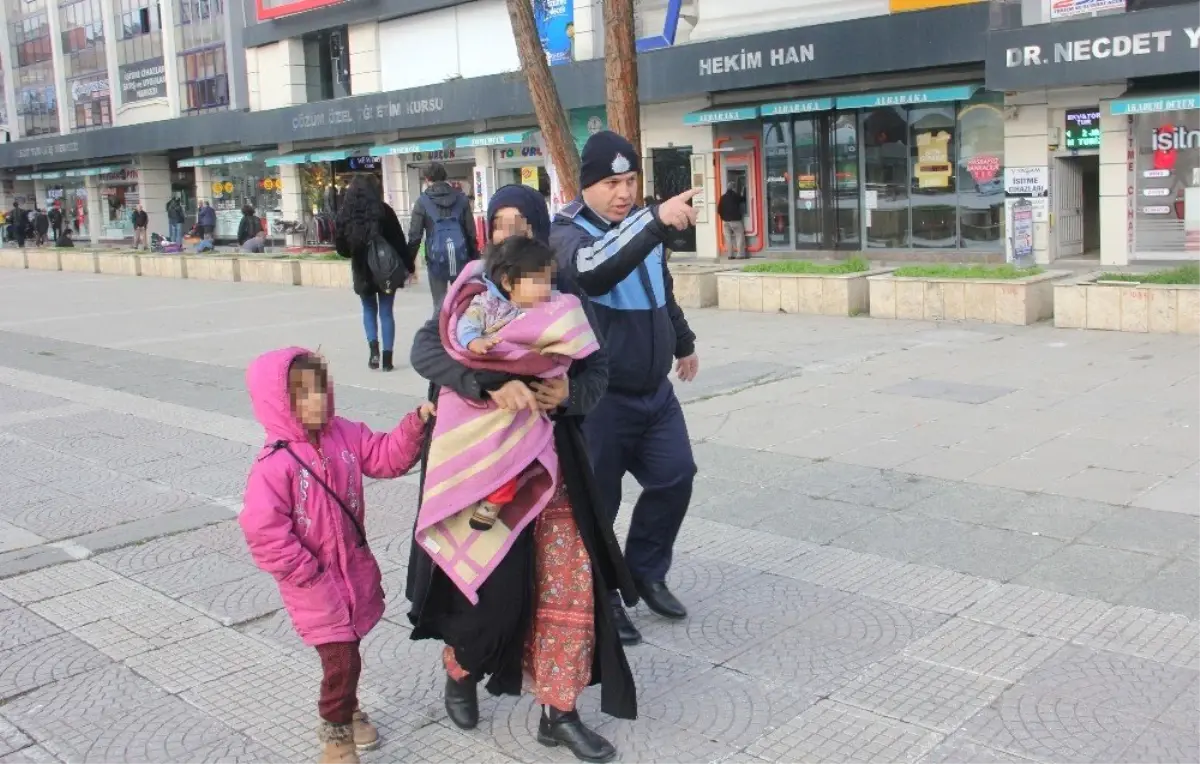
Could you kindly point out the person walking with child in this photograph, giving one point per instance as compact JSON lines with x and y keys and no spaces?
{"x":304,"y":522}
{"x":530,"y":608}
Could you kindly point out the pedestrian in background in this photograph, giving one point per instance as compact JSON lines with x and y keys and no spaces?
{"x":206,"y":219}
{"x":304,"y":517}
{"x":614,"y":252}
{"x":730,"y":209}
{"x":175,"y":218}
{"x":141,"y":226}
{"x":362,"y":220}
{"x":442,"y":217}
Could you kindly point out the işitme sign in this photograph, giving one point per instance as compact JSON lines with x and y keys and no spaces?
{"x":747,"y":60}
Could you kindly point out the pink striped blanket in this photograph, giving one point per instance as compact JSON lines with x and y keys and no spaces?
{"x":478,"y":447}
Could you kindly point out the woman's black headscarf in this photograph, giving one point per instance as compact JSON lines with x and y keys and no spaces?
{"x":529,"y":202}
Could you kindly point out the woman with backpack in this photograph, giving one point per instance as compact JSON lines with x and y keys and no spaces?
{"x":369,"y":233}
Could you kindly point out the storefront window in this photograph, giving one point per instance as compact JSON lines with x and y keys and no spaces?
{"x":777,"y":155}
{"x":981,"y":172}
{"x":120,"y":192}
{"x":232,"y":186}
{"x":33,"y":69}
{"x":845,"y":158}
{"x":886,"y":187}
{"x":1166,"y":215}
{"x":71,"y":198}
{"x":934,"y":198}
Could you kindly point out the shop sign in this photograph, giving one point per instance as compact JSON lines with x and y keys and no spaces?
{"x":491,"y":139}
{"x":747,"y":60}
{"x":1062,"y":9}
{"x":419,"y":147}
{"x":907,"y":97}
{"x":1027,"y":181}
{"x":587,"y":122}
{"x":89,"y":90}
{"x":1102,"y":49}
{"x":555,"y":20}
{"x":1082,"y":129}
{"x":48,"y":150}
{"x":143,"y":80}
{"x":1156,"y":104}
{"x":522,"y":151}
{"x":90,"y":171}
{"x":983,"y":167}
{"x":713,"y":116}
{"x":796,"y":107}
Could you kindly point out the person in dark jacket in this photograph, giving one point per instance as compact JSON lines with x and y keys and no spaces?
{"x":249,"y":227}
{"x":56,"y":220}
{"x":141,"y":228}
{"x":175,"y":218}
{"x":733,"y":228}
{"x":206,"y":219}
{"x":362,"y":217}
{"x":16,"y":219}
{"x":613,"y":250}
{"x":448,"y":201}
{"x":493,"y":638}
{"x":41,"y":227}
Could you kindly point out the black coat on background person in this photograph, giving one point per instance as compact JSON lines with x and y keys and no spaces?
{"x":392,"y":233}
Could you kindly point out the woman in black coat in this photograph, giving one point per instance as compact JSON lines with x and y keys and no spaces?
{"x":249,"y":227}
{"x":363,"y":216}
{"x":508,"y":629}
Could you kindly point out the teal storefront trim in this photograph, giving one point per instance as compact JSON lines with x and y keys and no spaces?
{"x":1156,"y":104}
{"x":90,"y":171}
{"x":420,"y":147}
{"x":245,"y":156}
{"x":714,"y":116}
{"x":336,"y":155}
{"x":907,"y":97}
{"x":286,"y":159}
{"x":784,"y":108}
{"x":492,"y":139}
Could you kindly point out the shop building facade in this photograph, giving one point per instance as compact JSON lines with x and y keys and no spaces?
{"x":1102,"y":123}
{"x":839,"y":142}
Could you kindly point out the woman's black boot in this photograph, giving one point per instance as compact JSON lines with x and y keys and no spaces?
{"x":462,"y":703}
{"x":373,"y":361}
{"x":565,"y":728}
{"x":387,"y":361}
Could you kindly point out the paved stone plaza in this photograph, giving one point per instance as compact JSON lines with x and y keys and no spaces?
{"x":909,"y":542}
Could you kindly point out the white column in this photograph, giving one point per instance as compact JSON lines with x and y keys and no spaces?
{"x":97,"y":215}
{"x":154,"y":188}
{"x":170,"y":57}
{"x":365,"y":76}
{"x":10,"y":88}
{"x":62,"y":95}
{"x":1026,"y":126}
{"x":39,"y":193}
{"x":291,"y":203}
{"x":108,"y":15}
{"x":22,"y":189}
{"x":1117,"y":191}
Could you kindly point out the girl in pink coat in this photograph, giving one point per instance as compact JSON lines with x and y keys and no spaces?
{"x":303,"y":520}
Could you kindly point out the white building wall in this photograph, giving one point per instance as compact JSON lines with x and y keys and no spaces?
{"x":281,"y":74}
{"x":732,"y":18}
{"x":365,"y":76}
{"x":154,"y":188}
{"x":663,"y":127}
{"x":471,"y":40}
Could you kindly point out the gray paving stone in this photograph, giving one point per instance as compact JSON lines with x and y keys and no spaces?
{"x":926,"y":588}
{"x":1091,"y":571}
{"x":1173,"y":589}
{"x":225,"y":537}
{"x":1160,"y":743}
{"x":204,"y":658}
{"x":649,"y":739}
{"x":725,"y":462}
{"x":140,"y":631}
{"x":22,"y":627}
{"x":972,"y":549}
{"x":983,"y":649}
{"x":437,"y":743}
{"x":1147,"y":530}
{"x":831,"y":731}
{"x":748,"y":507}
{"x":841,"y":568}
{"x":1035,"y":611}
{"x":91,"y":697}
{"x":958,"y":750}
{"x":12,"y":537}
{"x":1158,"y":636}
{"x":11,"y":738}
{"x":196,"y":574}
{"x":392,"y":550}
{"x":236,"y":749}
{"x":6,"y":603}
{"x":822,"y":478}
{"x":240,"y":700}
{"x":148,"y":555}
{"x":47,"y":660}
{"x":767,"y":552}
{"x":957,"y":392}
{"x":1043,"y":728}
{"x":195,"y":516}
{"x":1184,"y":711}
{"x":890,"y":489}
{"x":696,"y":580}
{"x":107,"y":600}
{"x":30,"y":560}
{"x":816,"y":520}
{"x":935,"y":697}
{"x":237,"y":601}
{"x":275,"y":630}
{"x":56,"y":581}
{"x":34,"y":754}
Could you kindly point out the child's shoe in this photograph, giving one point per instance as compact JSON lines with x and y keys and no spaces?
{"x":337,"y":741}
{"x":366,"y":737}
{"x":484,"y":516}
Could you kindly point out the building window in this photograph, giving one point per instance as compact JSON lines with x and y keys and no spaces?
{"x":885,"y":164}
{"x":33,"y":69}
{"x":203,"y":80}
{"x":326,"y":65}
{"x":1166,"y":183}
{"x":85,"y":64}
{"x":981,"y":172}
{"x":139,"y":30}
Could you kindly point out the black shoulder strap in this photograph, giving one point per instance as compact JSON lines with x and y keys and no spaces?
{"x":362,"y":534}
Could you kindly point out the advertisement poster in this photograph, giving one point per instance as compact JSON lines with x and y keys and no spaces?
{"x":1061,"y":9}
{"x":556,"y":29}
{"x":1021,"y":225}
{"x":587,"y":122}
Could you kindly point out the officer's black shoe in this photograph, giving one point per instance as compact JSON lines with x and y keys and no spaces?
{"x":626,"y":631}
{"x":558,"y":728}
{"x":658,"y":598}
{"x":462,"y":703}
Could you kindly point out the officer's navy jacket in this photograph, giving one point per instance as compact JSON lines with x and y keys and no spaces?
{"x":623,"y":270}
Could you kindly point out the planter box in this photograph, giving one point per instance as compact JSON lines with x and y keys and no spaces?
{"x":994,"y":301}
{"x":79,"y":262}
{"x":12,"y":258}
{"x":821,"y":294}
{"x":205,"y":268}
{"x":1127,"y":306}
{"x":278,"y":270}
{"x":333,"y":274}
{"x":118,"y":264}
{"x":696,"y":285}
{"x":43,"y":259}
{"x":163,"y":266}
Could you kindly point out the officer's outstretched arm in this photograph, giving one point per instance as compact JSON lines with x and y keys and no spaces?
{"x":611,"y":258}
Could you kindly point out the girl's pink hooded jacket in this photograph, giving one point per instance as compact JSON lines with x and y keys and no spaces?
{"x":296,"y":531}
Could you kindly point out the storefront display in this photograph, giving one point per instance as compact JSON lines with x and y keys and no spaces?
{"x":119,"y":190}
{"x":1166,"y":184}
{"x":235,"y":180}
{"x":70,"y":195}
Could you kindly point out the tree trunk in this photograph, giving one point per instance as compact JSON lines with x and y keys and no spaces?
{"x":551,"y":118}
{"x":621,"y":74}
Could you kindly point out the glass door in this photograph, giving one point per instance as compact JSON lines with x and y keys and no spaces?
{"x":825,"y":151}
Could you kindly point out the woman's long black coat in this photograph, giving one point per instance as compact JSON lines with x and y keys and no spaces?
{"x":360,"y":273}
{"x":489,"y":637}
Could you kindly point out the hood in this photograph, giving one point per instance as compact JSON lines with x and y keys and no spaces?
{"x":530,"y":203}
{"x":443,"y":194}
{"x":266,"y":380}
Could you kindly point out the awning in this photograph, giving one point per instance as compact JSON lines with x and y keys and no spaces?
{"x":336,"y":155}
{"x":1153,"y":103}
{"x":286,"y":159}
{"x":209,"y":161}
{"x":907,"y":97}
{"x":419,"y":147}
{"x":90,"y":171}
{"x":492,"y":139}
{"x":713,"y":116}
{"x":784,"y":108}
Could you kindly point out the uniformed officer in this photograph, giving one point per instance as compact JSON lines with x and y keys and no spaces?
{"x":613,"y":251}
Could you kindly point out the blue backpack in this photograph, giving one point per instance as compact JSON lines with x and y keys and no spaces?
{"x":446,"y":249}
